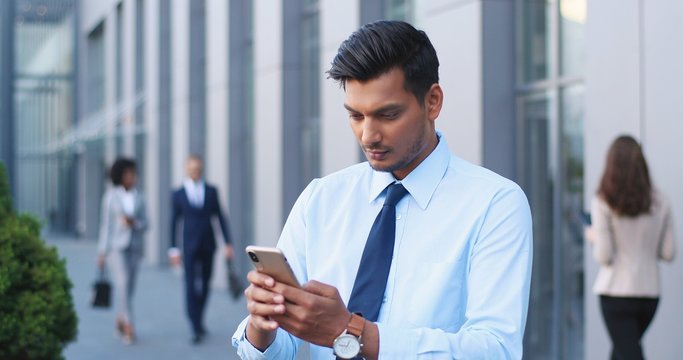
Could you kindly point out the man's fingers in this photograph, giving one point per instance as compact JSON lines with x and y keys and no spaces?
{"x":265,"y":310}
{"x":260,"y":279}
{"x":259,"y":294}
{"x":321,"y":289}
{"x":263,"y":323}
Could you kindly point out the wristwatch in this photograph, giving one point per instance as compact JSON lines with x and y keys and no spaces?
{"x":348,"y":345}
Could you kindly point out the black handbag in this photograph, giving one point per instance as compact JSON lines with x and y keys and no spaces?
{"x":101,"y":291}
{"x":235,"y":284}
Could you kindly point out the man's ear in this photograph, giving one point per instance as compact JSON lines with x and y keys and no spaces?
{"x":434,"y":101}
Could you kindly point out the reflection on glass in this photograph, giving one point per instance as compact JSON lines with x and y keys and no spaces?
{"x":95,"y":70}
{"x":572,"y":44}
{"x":572,"y":228}
{"x":534,"y":39}
{"x":399,"y":10}
{"x":537,"y":181}
{"x":43,"y":100}
{"x":310,"y":65}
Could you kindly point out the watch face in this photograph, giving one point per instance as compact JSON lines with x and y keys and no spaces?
{"x":346,"y":346}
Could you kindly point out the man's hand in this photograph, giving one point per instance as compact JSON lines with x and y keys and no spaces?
{"x":589,"y":234}
{"x":174,"y":257}
{"x":263,"y":301}
{"x":128,"y":221}
{"x":228,"y":252}
{"x":315,"y":313}
{"x":175,"y":260}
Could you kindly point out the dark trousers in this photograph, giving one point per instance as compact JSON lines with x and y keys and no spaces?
{"x":198,"y":269}
{"x":627,"y":318}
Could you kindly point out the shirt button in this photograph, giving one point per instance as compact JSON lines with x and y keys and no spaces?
{"x":398,"y":216}
{"x":384,"y":300}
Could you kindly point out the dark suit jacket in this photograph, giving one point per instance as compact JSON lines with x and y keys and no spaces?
{"x":198,"y":233}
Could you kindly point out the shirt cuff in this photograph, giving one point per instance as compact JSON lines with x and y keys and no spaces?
{"x":396,"y":343}
{"x":283,"y":347}
{"x":173,"y":252}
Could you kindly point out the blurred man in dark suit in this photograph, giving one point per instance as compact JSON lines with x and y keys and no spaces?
{"x":196,"y":203}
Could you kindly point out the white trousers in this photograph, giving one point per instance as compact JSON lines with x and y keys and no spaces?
{"x":124,"y":268}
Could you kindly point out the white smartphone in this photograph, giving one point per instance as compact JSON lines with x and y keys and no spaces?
{"x":272,"y":261}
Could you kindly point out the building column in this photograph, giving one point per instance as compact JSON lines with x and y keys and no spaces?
{"x":455,"y":29}
{"x":180,"y":85}
{"x":217,"y":123}
{"x":157,"y":182}
{"x":338,"y":19}
{"x":268,"y":72}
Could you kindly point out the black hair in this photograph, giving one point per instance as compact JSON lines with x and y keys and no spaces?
{"x":381,"y":46}
{"x":121,"y":165}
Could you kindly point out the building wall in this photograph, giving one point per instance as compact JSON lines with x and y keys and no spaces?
{"x":338,"y":19}
{"x":633,"y":82}
{"x":455,"y":27}
{"x":268,"y":75}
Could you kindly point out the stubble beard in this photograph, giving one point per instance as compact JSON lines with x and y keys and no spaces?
{"x":403,"y":162}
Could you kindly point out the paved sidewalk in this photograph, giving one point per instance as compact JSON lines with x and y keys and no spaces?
{"x":161,"y":325}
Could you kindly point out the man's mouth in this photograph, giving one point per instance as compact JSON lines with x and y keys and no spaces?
{"x":376,"y":154}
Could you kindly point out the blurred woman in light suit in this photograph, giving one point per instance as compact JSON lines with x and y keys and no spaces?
{"x":123,"y":221}
{"x":632,"y":230}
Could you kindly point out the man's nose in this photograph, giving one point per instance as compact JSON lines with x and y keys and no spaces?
{"x":371,"y":134}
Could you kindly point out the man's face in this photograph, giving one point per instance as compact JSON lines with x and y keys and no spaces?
{"x":194,"y":169}
{"x":394,"y":131}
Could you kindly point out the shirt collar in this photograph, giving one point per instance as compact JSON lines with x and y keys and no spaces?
{"x":421,"y":183}
{"x":189,"y":182}
{"x":123,"y":189}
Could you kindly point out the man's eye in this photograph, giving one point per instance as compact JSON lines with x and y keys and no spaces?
{"x":390,"y":116}
{"x":356,"y":116}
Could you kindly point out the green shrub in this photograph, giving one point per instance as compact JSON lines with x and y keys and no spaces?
{"x":37,"y":317}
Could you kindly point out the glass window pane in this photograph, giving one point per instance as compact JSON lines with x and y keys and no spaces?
{"x":43,"y":103}
{"x":310,"y":69}
{"x":537,"y":181}
{"x":572,"y":44}
{"x":139,"y":45}
{"x":95,"y":70}
{"x":398,"y":10}
{"x":119,"y":52}
{"x":534,"y":25}
{"x":571,"y":104}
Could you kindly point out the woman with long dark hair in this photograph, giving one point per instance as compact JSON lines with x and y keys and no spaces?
{"x":123,"y":222}
{"x":632,"y":230}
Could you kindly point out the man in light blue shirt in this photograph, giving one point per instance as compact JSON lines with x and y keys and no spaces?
{"x":458,"y":283}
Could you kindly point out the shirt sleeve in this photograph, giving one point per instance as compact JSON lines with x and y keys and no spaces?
{"x":667,"y":244}
{"x":603,"y":249}
{"x":283,"y":347}
{"x":292,"y":243}
{"x":141,"y":222}
{"x":498,"y":285}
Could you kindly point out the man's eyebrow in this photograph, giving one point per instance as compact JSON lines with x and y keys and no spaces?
{"x":388,"y":108}
{"x":350,"y":108}
{"x":383,"y":109}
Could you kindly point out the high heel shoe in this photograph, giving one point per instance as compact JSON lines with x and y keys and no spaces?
{"x":128,"y":336}
{"x":120,"y":327}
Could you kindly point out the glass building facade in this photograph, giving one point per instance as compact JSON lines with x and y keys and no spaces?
{"x":39,"y":36}
{"x":550,"y":158}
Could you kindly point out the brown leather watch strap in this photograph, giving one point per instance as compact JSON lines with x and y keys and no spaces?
{"x":356,"y":325}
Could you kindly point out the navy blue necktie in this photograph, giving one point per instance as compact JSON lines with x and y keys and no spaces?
{"x":371,"y":279}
